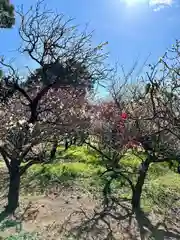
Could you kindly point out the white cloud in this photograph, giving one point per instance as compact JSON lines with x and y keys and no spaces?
{"x":157,"y":2}
{"x":158,"y":8}
{"x":157,"y":5}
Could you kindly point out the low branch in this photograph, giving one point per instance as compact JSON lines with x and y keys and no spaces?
{"x":108,"y":170}
{"x":23,"y":92}
{"x":165,"y":159}
{"x":4,"y":155}
{"x":27,"y":149}
{"x":35,"y":101}
{"x":127,"y":179}
{"x":99,"y":151}
{"x":28,"y":165}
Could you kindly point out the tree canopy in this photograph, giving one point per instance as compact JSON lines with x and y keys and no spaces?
{"x":7,"y":16}
{"x":50,"y":103}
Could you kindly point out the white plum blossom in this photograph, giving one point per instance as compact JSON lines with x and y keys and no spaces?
{"x":22,"y":121}
{"x":11,"y":123}
{"x":31,"y":125}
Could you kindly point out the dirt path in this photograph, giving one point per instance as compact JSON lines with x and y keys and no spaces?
{"x":58,"y":212}
{"x":56,"y":208}
{"x":38,"y":213}
{"x":49,"y":216}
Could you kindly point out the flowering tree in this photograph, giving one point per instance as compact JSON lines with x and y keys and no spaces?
{"x":109,"y":122}
{"x":144,"y":117}
{"x":109,"y":128}
{"x":39,"y":109}
{"x":153,"y":112}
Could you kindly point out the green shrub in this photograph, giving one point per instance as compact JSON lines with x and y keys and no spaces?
{"x":80,"y":154}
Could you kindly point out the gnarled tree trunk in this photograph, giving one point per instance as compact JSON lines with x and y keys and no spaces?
{"x":53,"y":150}
{"x":14,"y":187}
{"x":136,"y":198}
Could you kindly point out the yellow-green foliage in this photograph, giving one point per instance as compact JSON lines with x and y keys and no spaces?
{"x":74,"y":163}
{"x":130,"y":161}
{"x":84,"y":164}
{"x":161,"y":191}
{"x":169,"y":182}
{"x":71,"y":169}
{"x":159,"y":169}
{"x":81,"y":154}
{"x":2,"y":164}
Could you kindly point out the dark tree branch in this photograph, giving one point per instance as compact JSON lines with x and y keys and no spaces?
{"x":24,"y":168}
{"x":4,"y":155}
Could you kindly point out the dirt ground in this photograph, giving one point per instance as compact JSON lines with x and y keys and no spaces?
{"x":70,"y":214}
{"x":75,"y":213}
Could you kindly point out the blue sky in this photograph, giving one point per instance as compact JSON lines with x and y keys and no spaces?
{"x":133,"y":28}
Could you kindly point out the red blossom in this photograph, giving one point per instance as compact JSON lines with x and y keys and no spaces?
{"x":124,"y":116}
{"x":133,"y":144}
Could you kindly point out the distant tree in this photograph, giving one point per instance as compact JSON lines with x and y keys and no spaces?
{"x":151,"y":126}
{"x":155,"y":113}
{"x":7,"y":17}
{"x":51,"y":101}
{"x":153,"y":109}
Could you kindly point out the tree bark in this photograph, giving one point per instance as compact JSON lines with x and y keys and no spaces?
{"x":14,"y":187}
{"x":53,"y":150}
{"x":136,"y":198}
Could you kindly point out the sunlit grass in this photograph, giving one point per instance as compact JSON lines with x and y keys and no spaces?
{"x":83,"y":165}
{"x":79,"y":153}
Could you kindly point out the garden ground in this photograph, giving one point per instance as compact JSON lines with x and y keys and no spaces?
{"x":63,"y":200}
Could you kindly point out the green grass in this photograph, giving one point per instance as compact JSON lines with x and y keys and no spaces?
{"x":80,"y":154}
{"x":64,"y":171}
{"x":23,"y":236}
{"x":8,"y":223}
{"x":2,"y":164}
{"x":161,"y":186}
{"x":77,"y":164}
{"x":73,"y":163}
{"x":84,"y":165}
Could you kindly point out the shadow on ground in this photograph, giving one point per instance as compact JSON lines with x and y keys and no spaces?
{"x":7,"y":221}
{"x":115,"y":222}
